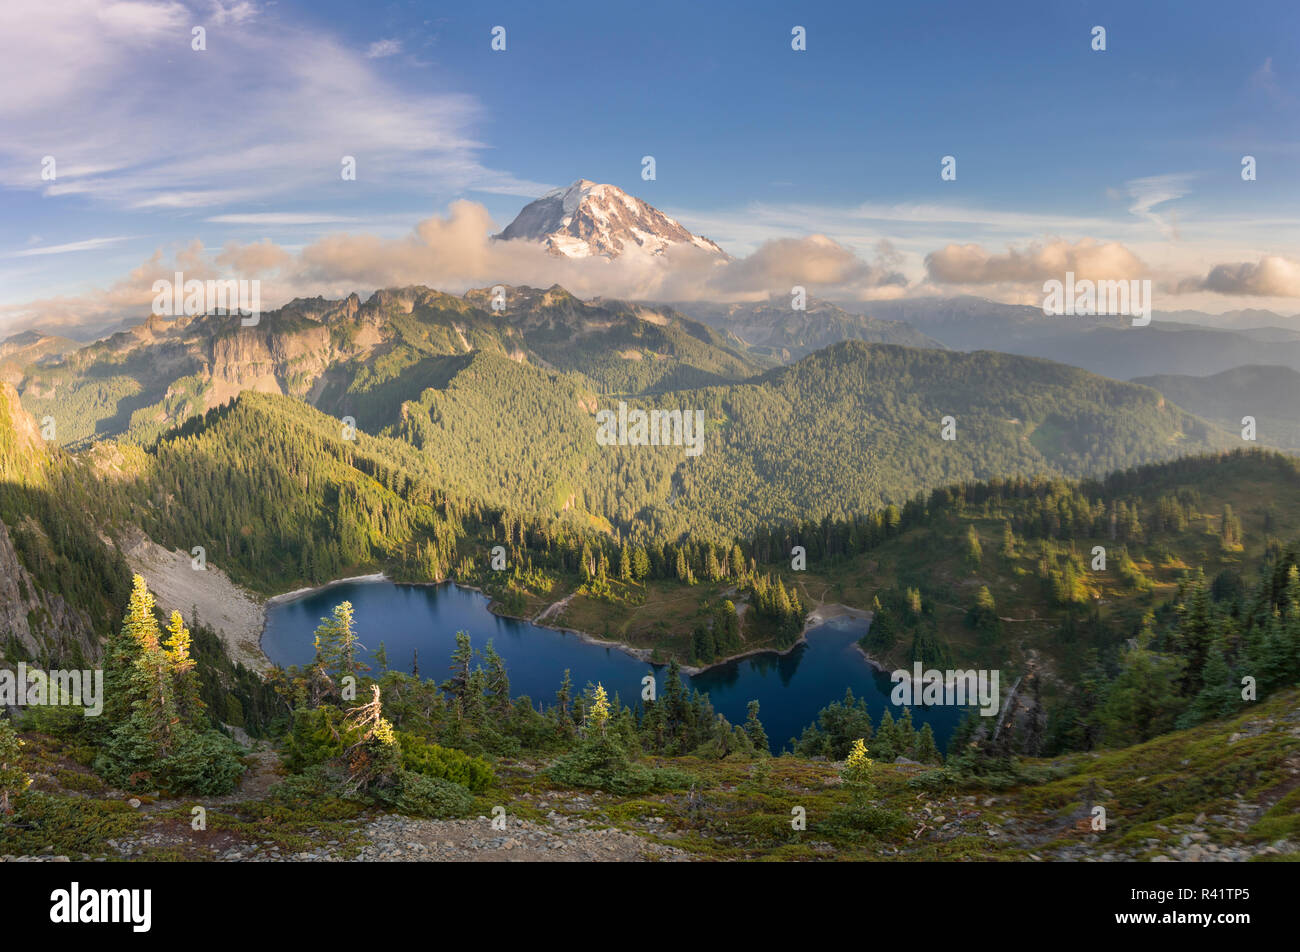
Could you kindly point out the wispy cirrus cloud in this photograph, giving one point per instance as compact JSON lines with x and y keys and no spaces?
{"x":383,"y":48}
{"x":137,"y":118}
{"x":1149,"y":193}
{"x":88,"y":244}
{"x":241,"y":11}
{"x":280,"y":218}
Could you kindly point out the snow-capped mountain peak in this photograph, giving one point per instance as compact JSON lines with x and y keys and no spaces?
{"x":587,"y":219}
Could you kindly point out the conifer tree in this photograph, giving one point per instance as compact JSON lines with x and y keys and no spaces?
{"x":155,"y":707}
{"x":1230,"y":531}
{"x":1007,"y":551}
{"x":904,"y":734}
{"x":702,"y":644}
{"x":13,"y":779}
{"x":1195,"y":631}
{"x":1219,"y":695}
{"x":138,"y":626}
{"x":337,"y":644}
{"x":156,"y":728}
{"x":737,"y":563}
{"x":974,"y":551}
{"x":754,"y":728}
{"x":857,"y":774}
{"x":1143,"y":700}
{"x":182,"y":664}
{"x":498,"y":681}
{"x":563,"y":699}
{"x":926,"y":751}
{"x":640,"y":564}
{"x":886,"y":742}
{"x":599,"y":713}
{"x":461,"y":658}
{"x":374,"y":756}
{"x":712,"y":570}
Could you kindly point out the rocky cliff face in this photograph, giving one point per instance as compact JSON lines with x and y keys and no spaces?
{"x":21,"y":448}
{"x":41,"y":622}
{"x":270,"y":360}
{"x":44,"y":625}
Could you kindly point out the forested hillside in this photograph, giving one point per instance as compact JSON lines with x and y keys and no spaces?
{"x":1132,"y":603}
{"x":60,"y":586}
{"x":1269,"y":394}
{"x":845,"y":430}
{"x":362,"y":359}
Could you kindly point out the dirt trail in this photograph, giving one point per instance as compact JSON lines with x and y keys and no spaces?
{"x":554,"y":609}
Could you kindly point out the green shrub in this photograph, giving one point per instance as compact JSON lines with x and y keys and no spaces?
{"x":13,"y":778}
{"x":313,"y":795}
{"x":317,"y":736}
{"x":56,"y":720}
{"x":203,"y":762}
{"x":444,"y":763}
{"x":673,"y":778}
{"x":69,"y":825}
{"x":72,"y":780}
{"x":414,"y":794}
{"x":82,"y":754}
{"x":868,"y":818}
{"x":600,"y":763}
{"x":313,"y":783}
{"x":206,"y":763}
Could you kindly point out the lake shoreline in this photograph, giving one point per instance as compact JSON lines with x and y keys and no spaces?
{"x":299,"y":593}
{"x":816,"y":618}
{"x":819,"y":616}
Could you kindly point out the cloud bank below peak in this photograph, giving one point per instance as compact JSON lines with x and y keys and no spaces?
{"x":455,"y":252}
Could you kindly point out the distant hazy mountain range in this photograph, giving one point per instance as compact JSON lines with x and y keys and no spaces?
{"x":1243,"y":320}
{"x":1104,"y":345}
{"x":774,"y":330}
{"x":1269,"y":394}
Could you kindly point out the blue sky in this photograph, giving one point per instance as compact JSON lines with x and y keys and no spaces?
{"x":167,"y":155}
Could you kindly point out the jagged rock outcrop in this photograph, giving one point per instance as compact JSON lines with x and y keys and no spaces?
{"x":21,"y":448}
{"x":44,"y":625}
{"x":41,"y":622}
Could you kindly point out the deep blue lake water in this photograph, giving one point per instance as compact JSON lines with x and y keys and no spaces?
{"x":790,"y":688}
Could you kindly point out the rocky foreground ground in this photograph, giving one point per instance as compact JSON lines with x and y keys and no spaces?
{"x":1227,"y":791}
{"x":404,"y":839}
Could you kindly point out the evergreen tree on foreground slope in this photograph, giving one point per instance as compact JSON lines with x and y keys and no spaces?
{"x":158,"y":738}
